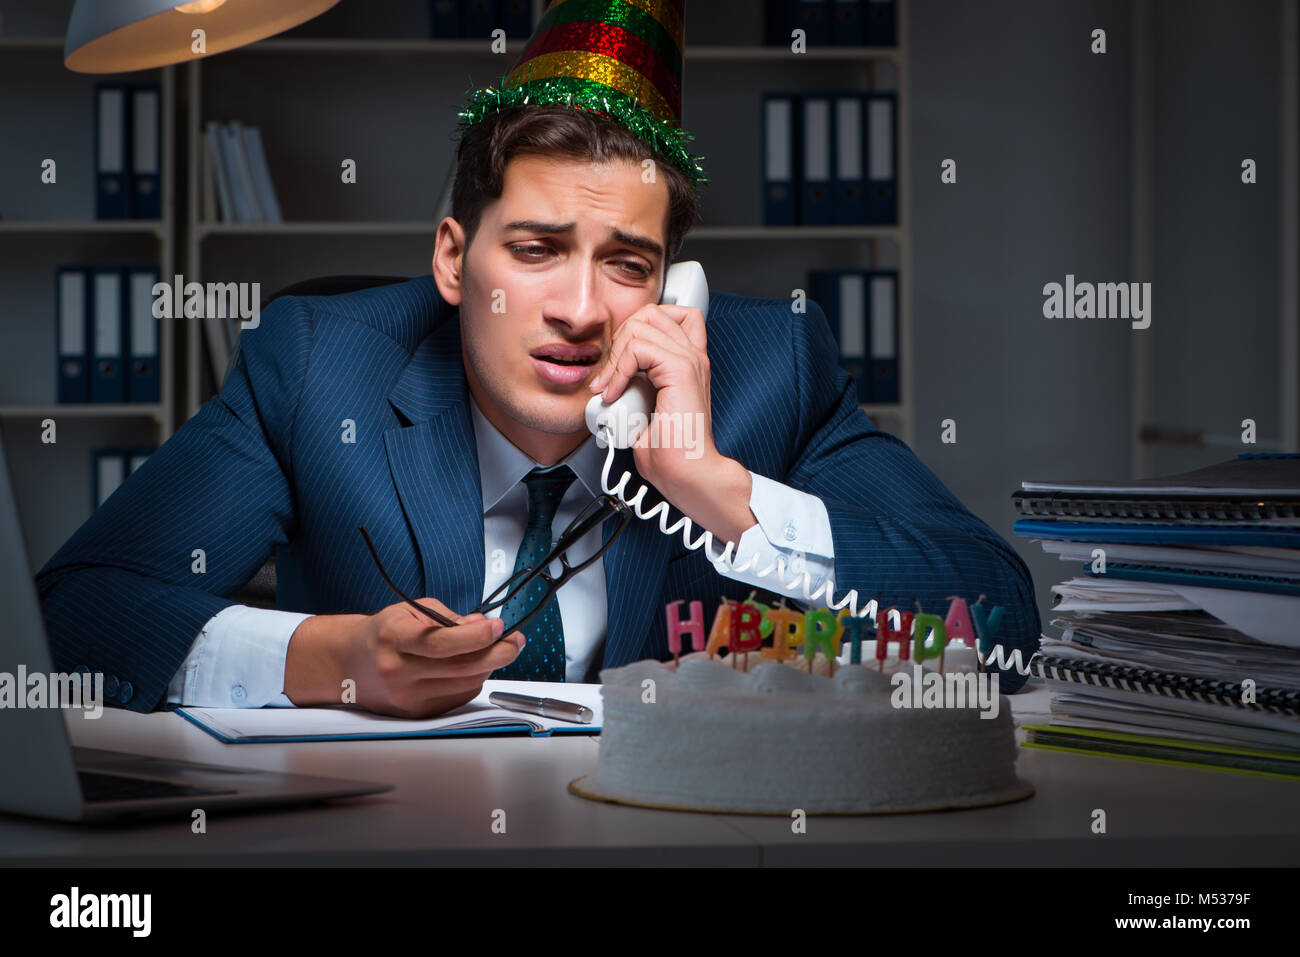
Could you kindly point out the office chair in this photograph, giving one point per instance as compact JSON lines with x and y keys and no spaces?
{"x":259,"y":591}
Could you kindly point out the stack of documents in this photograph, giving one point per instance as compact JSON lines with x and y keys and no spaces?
{"x":1177,"y":640}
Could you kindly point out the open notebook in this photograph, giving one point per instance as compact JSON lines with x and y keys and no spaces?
{"x":346,"y":722}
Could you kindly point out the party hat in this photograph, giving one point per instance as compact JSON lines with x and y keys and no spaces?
{"x":621,"y":59}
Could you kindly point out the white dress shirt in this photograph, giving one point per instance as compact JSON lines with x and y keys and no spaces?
{"x":237,"y":659}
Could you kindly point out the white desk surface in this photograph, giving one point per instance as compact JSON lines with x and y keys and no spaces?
{"x":447,"y":790}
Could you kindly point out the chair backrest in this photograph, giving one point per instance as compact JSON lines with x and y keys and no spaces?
{"x":259,"y":591}
{"x":336,"y":285}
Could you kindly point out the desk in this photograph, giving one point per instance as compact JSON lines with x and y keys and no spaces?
{"x":441,"y":813}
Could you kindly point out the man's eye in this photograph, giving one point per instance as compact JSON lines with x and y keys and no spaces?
{"x":629,"y":265}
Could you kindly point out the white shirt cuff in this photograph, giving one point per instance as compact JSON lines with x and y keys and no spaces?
{"x":237,"y":660}
{"x":792,"y":525}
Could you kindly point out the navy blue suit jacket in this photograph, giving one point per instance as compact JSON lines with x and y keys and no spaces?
{"x":262,"y":467}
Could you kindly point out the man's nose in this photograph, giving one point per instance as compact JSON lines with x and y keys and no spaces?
{"x":582,"y":301}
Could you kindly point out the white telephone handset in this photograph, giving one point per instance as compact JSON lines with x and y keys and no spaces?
{"x":626,"y":417}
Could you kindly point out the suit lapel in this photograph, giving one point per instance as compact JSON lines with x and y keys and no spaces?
{"x":434,"y":464}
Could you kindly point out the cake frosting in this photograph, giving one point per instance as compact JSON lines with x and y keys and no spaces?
{"x":711,"y":737}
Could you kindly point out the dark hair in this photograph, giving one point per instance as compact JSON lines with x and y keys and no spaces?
{"x":487,"y":147}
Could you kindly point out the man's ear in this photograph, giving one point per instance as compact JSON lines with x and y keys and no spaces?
{"x":449,"y":261}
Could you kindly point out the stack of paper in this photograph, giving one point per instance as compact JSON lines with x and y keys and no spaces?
{"x":1177,"y":642}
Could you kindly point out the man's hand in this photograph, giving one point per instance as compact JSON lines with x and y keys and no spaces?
{"x":676,"y":453}
{"x":402,"y":662}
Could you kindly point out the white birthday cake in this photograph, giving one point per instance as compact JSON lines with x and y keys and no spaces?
{"x":709,"y":737}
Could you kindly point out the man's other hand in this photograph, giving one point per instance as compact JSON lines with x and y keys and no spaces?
{"x":401,"y":662}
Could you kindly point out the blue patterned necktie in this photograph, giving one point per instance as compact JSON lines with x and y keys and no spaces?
{"x":543,"y":656}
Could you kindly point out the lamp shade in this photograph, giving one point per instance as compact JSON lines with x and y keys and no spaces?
{"x":117,"y":36}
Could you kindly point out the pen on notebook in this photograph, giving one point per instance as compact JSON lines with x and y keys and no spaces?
{"x":546,"y":707}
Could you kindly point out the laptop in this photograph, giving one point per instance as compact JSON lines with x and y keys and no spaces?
{"x":44,"y":776}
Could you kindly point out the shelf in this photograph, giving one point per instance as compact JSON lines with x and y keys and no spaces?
{"x":793,"y":232}
{"x":110,"y":226}
{"x":84,"y":410}
{"x":888,"y":411}
{"x":765,"y":54}
{"x":326,"y":228}
{"x":328,"y":46}
{"x":380,"y":46}
{"x":31,"y":43}
{"x":482,"y":47}
{"x":428,"y":227}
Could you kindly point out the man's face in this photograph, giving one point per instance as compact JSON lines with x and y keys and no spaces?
{"x":569,"y":251}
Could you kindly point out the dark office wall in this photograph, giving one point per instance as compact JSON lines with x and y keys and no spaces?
{"x":1039,"y":127}
{"x":1041,"y":131}
{"x":1216,"y":76}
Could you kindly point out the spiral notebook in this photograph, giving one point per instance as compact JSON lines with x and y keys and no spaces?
{"x":1274,"y":583}
{"x":1260,"y":492}
{"x":1222,"y":700}
{"x":1273,"y":477}
{"x":349,"y":723}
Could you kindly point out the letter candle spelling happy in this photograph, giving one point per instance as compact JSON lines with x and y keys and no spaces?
{"x":746,"y":629}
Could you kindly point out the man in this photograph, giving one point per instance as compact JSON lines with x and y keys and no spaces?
{"x":446,"y":416}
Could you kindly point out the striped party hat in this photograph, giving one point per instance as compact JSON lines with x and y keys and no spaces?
{"x":620,"y":59}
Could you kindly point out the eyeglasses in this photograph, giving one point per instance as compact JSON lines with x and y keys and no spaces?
{"x":591,"y":518}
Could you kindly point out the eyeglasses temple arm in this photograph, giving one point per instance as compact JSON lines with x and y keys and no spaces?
{"x":436,"y":616}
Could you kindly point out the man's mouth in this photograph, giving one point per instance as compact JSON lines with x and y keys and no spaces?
{"x":564,"y":365}
{"x":565,"y":355}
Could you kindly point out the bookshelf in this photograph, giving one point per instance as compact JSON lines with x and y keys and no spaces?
{"x":340,"y":90}
{"x":48,"y":112}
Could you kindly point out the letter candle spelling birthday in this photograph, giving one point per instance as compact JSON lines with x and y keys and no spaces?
{"x":929,"y":638}
{"x":853,"y":626}
{"x":885,"y":634}
{"x":676,"y":627}
{"x":820,"y":630}
{"x":958,"y":623}
{"x":986,"y":623}
{"x":787,"y":631}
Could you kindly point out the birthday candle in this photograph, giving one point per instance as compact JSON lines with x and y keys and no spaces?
{"x":986,"y":623}
{"x":787,"y":631}
{"x":958,"y":622}
{"x":820,"y":631}
{"x":885,"y":634}
{"x":931,"y":637}
{"x":720,"y":634}
{"x":852,"y":626}
{"x":676,"y":627}
{"x":746,"y":633}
